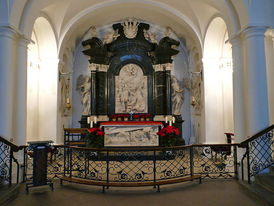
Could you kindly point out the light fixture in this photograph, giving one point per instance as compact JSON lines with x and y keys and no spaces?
{"x":193,"y":101}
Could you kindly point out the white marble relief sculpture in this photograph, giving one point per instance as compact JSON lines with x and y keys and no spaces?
{"x":130,"y":28}
{"x":131,"y":90}
{"x":83,"y":86}
{"x":131,"y":136}
{"x":177,"y":95}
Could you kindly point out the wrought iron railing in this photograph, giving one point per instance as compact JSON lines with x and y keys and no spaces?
{"x":141,"y":164}
{"x":259,"y":152}
{"x":7,"y":150}
{"x":124,"y":165}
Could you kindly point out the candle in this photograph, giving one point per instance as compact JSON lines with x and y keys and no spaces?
{"x":95,"y":120}
{"x":170,"y":123}
{"x":88,"y":119}
{"x":173,"y":120}
{"x":91,"y":124}
{"x":166,"y":119}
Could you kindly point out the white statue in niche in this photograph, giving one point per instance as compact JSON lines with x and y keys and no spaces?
{"x":83,"y":86}
{"x":177,"y":95}
{"x":131,"y":90}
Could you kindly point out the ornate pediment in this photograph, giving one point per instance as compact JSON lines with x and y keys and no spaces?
{"x":130,"y":37}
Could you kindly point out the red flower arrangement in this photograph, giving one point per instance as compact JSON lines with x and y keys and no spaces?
{"x":119,"y":115}
{"x":168,"y":136}
{"x":95,"y":137}
{"x":137,"y":116}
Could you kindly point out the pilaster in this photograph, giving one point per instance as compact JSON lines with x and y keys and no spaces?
{"x":255,"y":80}
{"x":21,"y":92}
{"x":8,"y":37}
{"x":238,"y":90}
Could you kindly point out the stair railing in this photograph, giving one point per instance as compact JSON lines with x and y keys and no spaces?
{"x":259,"y":152}
{"x":7,"y":150}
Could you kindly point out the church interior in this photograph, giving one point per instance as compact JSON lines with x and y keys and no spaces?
{"x":132,"y":70}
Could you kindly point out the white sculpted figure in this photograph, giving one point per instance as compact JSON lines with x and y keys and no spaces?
{"x":177,"y":95}
{"x":150,"y":37}
{"x":111,"y":36}
{"x":130,"y":28}
{"x":83,"y":86}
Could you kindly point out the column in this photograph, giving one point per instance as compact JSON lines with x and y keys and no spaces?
{"x":256,"y":97}
{"x":7,"y":80}
{"x":269,"y":44}
{"x":21,"y":93}
{"x":238,"y":90}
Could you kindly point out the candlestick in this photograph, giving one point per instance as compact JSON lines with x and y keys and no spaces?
{"x":68,"y":101}
{"x":91,"y":124}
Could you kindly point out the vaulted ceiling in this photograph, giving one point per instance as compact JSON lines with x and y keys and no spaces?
{"x":188,"y":18}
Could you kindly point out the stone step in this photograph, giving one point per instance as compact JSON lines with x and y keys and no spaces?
{"x":271,"y":170}
{"x":260,"y":193}
{"x":8,"y":192}
{"x":266,"y":181}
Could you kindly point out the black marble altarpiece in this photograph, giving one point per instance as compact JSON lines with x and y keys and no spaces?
{"x":130,"y":72}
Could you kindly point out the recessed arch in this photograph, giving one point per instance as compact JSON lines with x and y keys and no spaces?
{"x":218,"y":92}
{"x":42,"y":83}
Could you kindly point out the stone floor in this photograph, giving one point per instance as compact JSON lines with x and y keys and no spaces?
{"x":209,"y":193}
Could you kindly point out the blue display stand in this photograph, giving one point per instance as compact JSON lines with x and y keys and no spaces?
{"x":40,"y":162}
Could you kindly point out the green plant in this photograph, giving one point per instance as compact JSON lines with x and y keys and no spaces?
{"x":95,"y":138}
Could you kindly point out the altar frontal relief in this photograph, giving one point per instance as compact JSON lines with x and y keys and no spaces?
{"x":131,"y":90}
{"x":131,"y":136}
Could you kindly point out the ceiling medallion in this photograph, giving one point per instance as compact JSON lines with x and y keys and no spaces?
{"x":130,"y":28}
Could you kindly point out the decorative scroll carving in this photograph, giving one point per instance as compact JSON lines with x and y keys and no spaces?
{"x":83,"y":86}
{"x":131,"y":90}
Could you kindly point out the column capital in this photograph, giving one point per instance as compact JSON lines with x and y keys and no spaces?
{"x":23,"y":41}
{"x":9,"y":32}
{"x":253,"y":31}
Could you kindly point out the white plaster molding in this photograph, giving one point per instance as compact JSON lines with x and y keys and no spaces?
{"x":168,"y":66}
{"x":254,"y":31}
{"x":9,"y":32}
{"x":93,"y":67}
{"x":103,"y":68}
{"x":158,"y":68}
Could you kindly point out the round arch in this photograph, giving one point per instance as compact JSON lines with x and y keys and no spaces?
{"x":42,"y":83}
{"x":218,"y":92}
